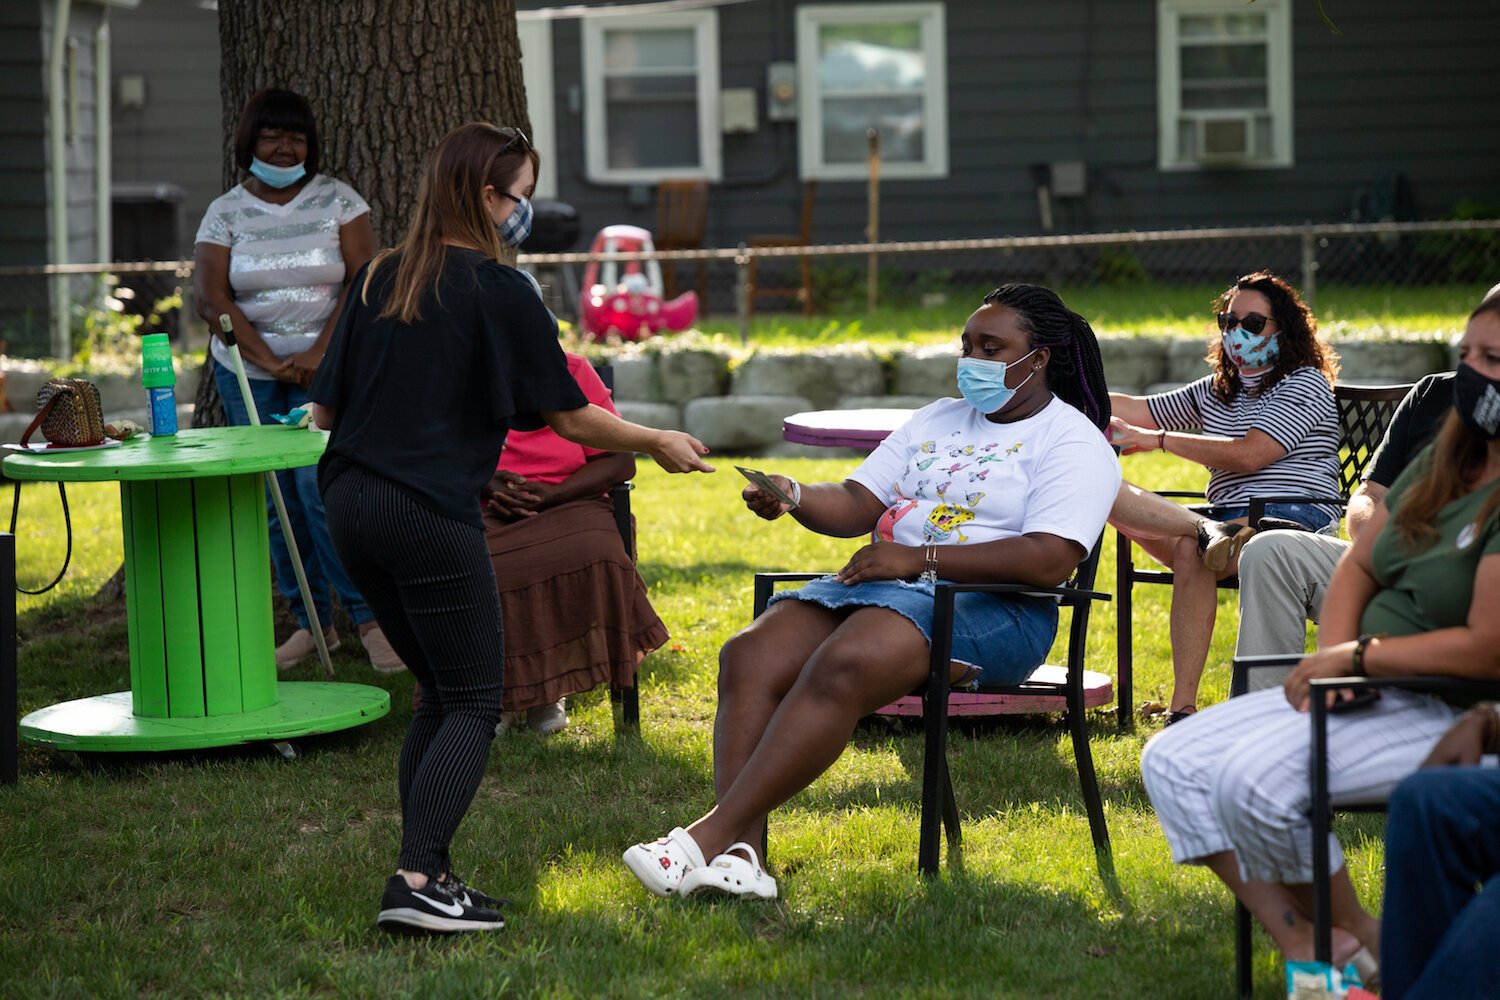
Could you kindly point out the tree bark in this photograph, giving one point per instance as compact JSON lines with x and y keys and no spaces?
{"x":386,"y":79}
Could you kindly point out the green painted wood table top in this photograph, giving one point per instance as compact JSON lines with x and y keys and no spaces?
{"x":188,"y":454}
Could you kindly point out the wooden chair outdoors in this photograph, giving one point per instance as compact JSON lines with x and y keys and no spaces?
{"x":1461,"y":690}
{"x":800,"y":293}
{"x":1364,"y":411}
{"x":681,"y":224}
{"x":939,"y":808}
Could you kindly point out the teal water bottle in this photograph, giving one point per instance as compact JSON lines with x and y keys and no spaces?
{"x":160,"y":381}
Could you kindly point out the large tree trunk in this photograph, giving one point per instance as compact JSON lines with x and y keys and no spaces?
{"x":386,"y":78}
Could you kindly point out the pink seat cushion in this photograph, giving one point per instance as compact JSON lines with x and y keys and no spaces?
{"x":1097,"y":690}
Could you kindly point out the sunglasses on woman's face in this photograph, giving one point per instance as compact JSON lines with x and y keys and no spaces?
{"x":1252,"y":322}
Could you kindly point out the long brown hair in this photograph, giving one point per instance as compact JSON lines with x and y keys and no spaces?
{"x":1297,"y":331}
{"x":450,"y":209}
{"x":1458,"y":459}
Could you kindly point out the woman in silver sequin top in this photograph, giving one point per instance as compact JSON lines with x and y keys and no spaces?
{"x":276,"y":253}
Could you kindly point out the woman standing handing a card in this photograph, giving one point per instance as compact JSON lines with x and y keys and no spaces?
{"x":1011,"y":484}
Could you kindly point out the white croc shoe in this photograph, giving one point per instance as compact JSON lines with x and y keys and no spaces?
{"x":732,"y":875}
{"x":661,"y":864}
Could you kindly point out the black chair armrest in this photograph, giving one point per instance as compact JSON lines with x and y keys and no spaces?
{"x":1460,"y":688}
{"x":1241,"y":668}
{"x":942,"y":620}
{"x":1063,"y":595}
{"x":619,"y":495}
{"x":1320,"y":804}
{"x":765,"y":586}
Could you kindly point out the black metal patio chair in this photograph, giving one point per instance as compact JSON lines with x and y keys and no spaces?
{"x":1322,"y":808}
{"x":939,"y":807}
{"x":1364,"y":412}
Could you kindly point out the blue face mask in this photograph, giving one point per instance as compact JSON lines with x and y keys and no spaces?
{"x":983,"y":382}
{"x":517,"y":225}
{"x":1251,"y":351}
{"x":277,"y":177}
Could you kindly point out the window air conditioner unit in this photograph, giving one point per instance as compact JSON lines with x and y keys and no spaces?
{"x":1226,"y":139}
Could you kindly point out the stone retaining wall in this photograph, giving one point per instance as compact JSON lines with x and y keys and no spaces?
{"x":737,"y":405}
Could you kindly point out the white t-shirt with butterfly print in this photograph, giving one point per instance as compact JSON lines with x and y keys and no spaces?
{"x":949,"y":476}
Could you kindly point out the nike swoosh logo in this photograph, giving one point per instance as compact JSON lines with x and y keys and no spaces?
{"x":452,"y":909}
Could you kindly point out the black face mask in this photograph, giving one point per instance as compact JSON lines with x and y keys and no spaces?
{"x":1477,"y":400}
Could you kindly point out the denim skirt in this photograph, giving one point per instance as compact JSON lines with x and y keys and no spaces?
{"x":1004,"y":636}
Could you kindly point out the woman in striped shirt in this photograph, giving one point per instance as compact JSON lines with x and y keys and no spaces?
{"x":1269,"y":427}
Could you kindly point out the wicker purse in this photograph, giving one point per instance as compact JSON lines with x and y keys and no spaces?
{"x":68,"y":413}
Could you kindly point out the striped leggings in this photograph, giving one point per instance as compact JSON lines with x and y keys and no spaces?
{"x":429,"y":582}
{"x":1234,"y":777}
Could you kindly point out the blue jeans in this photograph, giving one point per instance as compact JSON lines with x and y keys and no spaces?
{"x":1310,"y":515}
{"x":1442,"y":839}
{"x":304,"y":507}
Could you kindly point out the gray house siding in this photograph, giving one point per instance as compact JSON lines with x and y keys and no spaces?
{"x":23,"y":136}
{"x":81,"y":127}
{"x":174,"y":138}
{"x":23,"y":173}
{"x":1031,"y":82}
{"x":25,"y":154}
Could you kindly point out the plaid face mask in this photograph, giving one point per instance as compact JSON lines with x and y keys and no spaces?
{"x":517,"y":225}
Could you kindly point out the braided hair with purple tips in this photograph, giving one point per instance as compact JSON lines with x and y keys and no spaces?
{"x":1075,"y":373}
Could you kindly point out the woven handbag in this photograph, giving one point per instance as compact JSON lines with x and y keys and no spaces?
{"x":68,"y":413}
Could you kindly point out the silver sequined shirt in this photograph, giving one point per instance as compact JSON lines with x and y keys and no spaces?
{"x":286,"y":267}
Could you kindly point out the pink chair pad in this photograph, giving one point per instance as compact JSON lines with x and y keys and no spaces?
{"x":1098,"y":690}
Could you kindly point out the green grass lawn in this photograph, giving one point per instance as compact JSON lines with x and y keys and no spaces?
{"x":238,"y":874}
{"x":1146,"y":310}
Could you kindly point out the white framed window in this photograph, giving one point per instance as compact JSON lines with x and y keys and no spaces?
{"x":651,"y":97}
{"x":1224,"y":84}
{"x":872,"y":65}
{"x":535,"y":35}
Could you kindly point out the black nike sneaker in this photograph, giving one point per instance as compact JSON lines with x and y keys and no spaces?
{"x":474,"y":897}
{"x":433,"y":908}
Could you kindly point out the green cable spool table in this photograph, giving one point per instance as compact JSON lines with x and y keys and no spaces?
{"x":198,"y":594}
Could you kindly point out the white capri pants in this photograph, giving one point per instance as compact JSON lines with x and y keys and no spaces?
{"x":1234,"y":777}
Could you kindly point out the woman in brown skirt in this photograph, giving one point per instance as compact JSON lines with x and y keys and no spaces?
{"x":576,"y":611}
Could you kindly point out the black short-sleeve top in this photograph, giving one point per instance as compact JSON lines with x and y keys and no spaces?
{"x":427,"y":405}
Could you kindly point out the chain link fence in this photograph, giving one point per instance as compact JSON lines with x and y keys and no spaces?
{"x":1382,"y":261}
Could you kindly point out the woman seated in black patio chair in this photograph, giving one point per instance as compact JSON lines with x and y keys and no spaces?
{"x":1010,"y":484}
{"x":1270,"y":428}
{"x":1415,"y":595}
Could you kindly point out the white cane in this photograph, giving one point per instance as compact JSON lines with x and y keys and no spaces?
{"x":226,"y":326}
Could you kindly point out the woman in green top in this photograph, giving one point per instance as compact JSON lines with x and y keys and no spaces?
{"x":1417,"y":594}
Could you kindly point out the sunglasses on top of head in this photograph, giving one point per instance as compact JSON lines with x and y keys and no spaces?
{"x":517,"y":138}
{"x":1253,"y":323}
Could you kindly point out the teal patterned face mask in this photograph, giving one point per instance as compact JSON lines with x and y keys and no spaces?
{"x":1251,"y":351}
